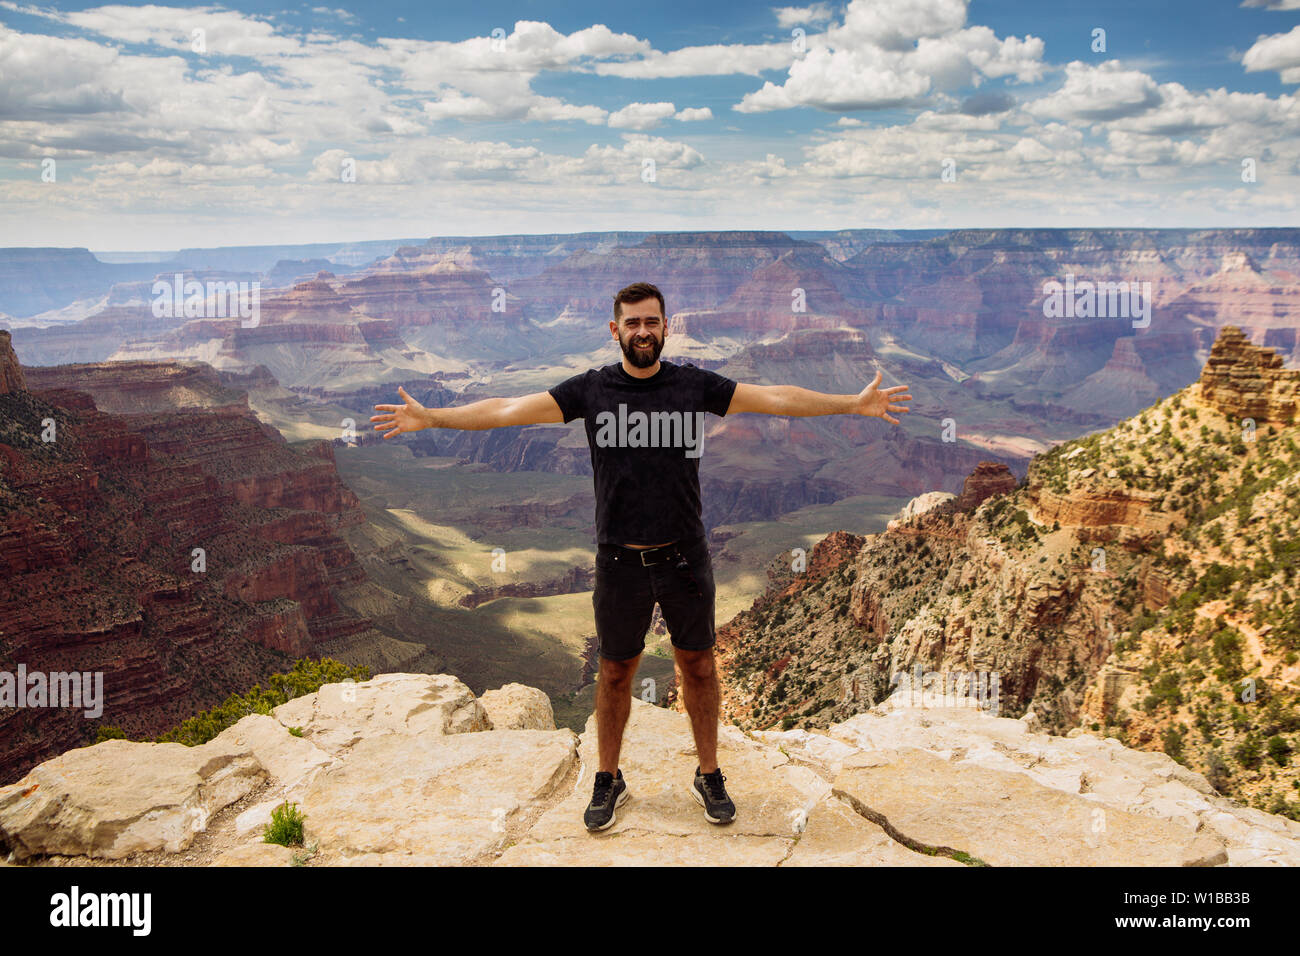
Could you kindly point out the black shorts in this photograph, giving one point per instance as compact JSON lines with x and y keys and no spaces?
{"x":627,"y":590}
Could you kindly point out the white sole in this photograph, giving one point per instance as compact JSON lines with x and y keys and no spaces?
{"x":613,"y":817}
{"x":700,"y":800}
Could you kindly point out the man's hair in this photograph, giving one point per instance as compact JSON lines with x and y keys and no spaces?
{"x":636,"y":292}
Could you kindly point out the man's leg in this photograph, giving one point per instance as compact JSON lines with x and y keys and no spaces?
{"x":700,"y":695}
{"x":613,"y":704}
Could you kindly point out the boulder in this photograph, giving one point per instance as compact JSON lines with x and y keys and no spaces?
{"x":121,"y":797}
{"x":339,"y":715}
{"x":430,"y":799}
{"x":517,"y":707}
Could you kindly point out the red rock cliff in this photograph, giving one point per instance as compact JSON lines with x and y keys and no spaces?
{"x":182,"y":554}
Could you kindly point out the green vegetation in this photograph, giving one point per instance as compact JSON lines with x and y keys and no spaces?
{"x":285,"y":827}
{"x":306,"y":677}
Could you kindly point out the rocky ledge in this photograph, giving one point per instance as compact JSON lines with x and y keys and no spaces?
{"x":414,"y":770}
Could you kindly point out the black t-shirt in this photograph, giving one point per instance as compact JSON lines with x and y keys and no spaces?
{"x":646,"y":436}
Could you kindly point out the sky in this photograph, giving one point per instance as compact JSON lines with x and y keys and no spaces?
{"x":150,"y":127}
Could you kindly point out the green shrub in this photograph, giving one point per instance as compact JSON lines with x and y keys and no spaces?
{"x":285,"y":827}
{"x":306,"y":677}
{"x":103,"y":733}
{"x":1249,"y":753}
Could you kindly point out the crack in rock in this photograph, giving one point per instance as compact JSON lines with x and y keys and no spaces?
{"x":880,"y":820}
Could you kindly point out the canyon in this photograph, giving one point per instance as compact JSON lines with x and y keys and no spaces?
{"x":156,"y":532}
{"x":1112,"y":590}
{"x":957,"y":315}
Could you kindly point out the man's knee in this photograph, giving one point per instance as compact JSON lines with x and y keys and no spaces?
{"x":696,"y":665}
{"x":617,"y":675}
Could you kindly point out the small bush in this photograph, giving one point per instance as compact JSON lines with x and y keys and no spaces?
{"x":109,"y":733}
{"x":285,"y":827}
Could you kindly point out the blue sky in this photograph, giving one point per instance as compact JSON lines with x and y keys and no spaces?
{"x":163,"y":126}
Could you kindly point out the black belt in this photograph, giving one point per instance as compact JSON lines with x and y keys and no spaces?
{"x":663,"y":553}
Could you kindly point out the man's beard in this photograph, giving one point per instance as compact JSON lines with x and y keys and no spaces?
{"x":642,"y":358}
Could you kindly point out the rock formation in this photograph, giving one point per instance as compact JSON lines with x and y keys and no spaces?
{"x":988,"y":479}
{"x":11,"y":373}
{"x":1244,"y":381}
{"x":410,"y":770}
{"x":181,"y":549}
{"x":1133,"y":582}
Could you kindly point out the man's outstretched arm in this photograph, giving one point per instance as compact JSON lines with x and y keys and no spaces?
{"x":536,"y":409}
{"x":802,"y":402}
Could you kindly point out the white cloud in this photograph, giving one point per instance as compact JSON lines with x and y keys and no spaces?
{"x":714,"y":60}
{"x":896,"y":26}
{"x":789,"y":17}
{"x":839,"y":80}
{"x":1102,"y":92}
{"x":641,"y":115}
{"x":1280,"y":52}
{"x":888,"y":54}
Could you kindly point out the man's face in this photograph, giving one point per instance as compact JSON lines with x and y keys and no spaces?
{"x":641,"y":332}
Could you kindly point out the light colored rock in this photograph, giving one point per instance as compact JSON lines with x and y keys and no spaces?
{"x":1007,"y":819}
{"x":339,"y":715}
{"x":661,"y":824}
{"x":403,"y":770}
{"x":119,"y":797}
{"x":442,"y":800}
{"x":518,"y":707}
{"x":257,"y":854}
{"x":918,"y":506}
{"x":285,"y":757}
{"x":837,"y":836}
{"x":1098,"y":769}
{"x":802,"y":745}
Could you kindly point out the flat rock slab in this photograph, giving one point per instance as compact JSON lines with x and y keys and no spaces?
{"x":1007,"y":819}
{"x":662,"y":825}
{"x":432,"y":800}
{"x":837,"y":836}
{"x":1100,"y":770}
{"x":257,"y":854}
{"x":339,"y":715}
{"x":120,"y":796}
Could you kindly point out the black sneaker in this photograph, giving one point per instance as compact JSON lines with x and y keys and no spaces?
{"x":709,"y":793}
{"x":607,"y":793}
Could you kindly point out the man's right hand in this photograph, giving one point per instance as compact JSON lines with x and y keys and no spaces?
{"x":401,"y":419}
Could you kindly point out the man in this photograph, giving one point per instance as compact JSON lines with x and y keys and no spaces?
{"x":645,"y":429}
